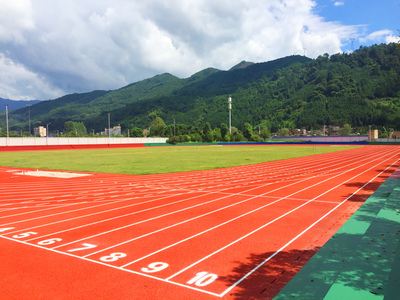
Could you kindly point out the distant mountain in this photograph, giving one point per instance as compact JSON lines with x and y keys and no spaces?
{"x":12,"y":104}
{"x":243,"y":64}
{"x":360,"y":89}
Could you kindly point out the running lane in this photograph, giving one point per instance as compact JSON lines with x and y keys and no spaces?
{"x":238,"y":232}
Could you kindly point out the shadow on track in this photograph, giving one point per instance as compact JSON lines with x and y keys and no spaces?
{"x":269,"y":279}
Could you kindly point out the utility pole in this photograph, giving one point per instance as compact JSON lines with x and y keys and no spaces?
{"x":29,"y":113}
{"x":47,"y":133}
{"x":7,"y":141}
{"x":109,"y":128}
{"x":230,"y":116}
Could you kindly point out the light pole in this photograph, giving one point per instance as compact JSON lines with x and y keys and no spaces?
{"x":370,"y":133}
{"x":29,"y":113}
{"x":7,"y":142}
{"x":47,"y":132}
{"x":230,"y":116}
{"x":109,"y":127}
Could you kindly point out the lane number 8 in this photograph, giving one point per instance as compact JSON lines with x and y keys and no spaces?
{"x":113,"y":257}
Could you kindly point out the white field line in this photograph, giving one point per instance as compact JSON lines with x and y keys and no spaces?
{"x":157,"y":217}
{"x":265,"y":225}
{"x":224,"y":223}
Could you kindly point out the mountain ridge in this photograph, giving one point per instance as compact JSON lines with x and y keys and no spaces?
{"x":360,"y":88}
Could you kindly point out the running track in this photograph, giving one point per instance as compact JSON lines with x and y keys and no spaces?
{"x":234,"y":233}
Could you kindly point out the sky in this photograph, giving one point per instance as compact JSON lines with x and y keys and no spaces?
{"x":52,"y":48}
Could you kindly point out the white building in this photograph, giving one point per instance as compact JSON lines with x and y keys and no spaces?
{"x":40,"y":131}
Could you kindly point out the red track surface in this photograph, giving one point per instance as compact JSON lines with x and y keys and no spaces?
{"x":235,"y":233}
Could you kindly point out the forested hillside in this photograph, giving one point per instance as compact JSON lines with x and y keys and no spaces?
{"x":360,"y":89}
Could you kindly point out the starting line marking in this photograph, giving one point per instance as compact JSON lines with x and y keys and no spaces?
{"x":52,"y":174}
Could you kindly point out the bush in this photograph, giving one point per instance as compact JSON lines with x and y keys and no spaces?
{"x":236,"y":137}
{"x":208,"y":137}
{"x":195,"y":137}
{"x":184,"y":138}
{"x":256,"y":138}
{"x":173,"y":140}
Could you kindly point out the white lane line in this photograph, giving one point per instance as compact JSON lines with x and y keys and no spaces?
{"x":209,"y":193}
{"x":101,"y":212}
{"x":111,"y":266}
{"x":126,"y":226}
{"x":300,"y":234}
{"x":224,"y":223}
{"x":265,"y":225}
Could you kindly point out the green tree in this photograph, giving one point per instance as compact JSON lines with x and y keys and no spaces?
{"x":157,"y":127}
{"x":224,"y":130}
{"x":136,"y":132}
{"x":235,"y":136}
{"x":265,"y":134}
{"x":207,"y":135}
{"x":206,"y":128}
{"x":217,"y":134}
{"x":75,"y":128}
{"x":284,"y":132}
{"x":345,"y":130}
{"x":195,"y":137}
{"x":169,"y":130}
{"x":247,"y":131}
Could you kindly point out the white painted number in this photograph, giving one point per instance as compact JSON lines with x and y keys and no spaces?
{"x":49,"y":241}
{"x":113,"y":257}
{"x":23,"y":235}
{"x":155,"y":267}
{"x":5,"y":229}
{"x":203,"y":279}
{"x":85,"y":247}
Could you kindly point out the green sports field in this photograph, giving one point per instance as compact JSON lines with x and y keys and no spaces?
{"x":153,"y":160}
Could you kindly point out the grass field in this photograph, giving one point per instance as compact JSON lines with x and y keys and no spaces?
{"x":154,"y":160}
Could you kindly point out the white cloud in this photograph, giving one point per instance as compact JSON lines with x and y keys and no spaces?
{"x":377,"y":36}
{"x":77,"y":46}
{"x":392,"y":39}
{"x":16,"y":82}
{"x":15,"y":19}
{"x":338,"y":3}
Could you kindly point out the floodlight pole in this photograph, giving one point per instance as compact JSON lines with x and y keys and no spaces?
{"x":29,"y":113}
{"x":109,"y":128}
{"x":370,"y":133}
{"x":7,"y":141}
{"x":230,"y":114}
{"x":47,"y":132}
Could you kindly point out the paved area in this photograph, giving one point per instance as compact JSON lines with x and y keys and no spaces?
{"x":362,"y":260}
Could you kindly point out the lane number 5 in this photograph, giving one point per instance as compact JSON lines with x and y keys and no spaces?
{"x":23,"y":235}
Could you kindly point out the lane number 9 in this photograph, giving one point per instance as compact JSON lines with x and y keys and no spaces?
{"x":155,"y":267}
